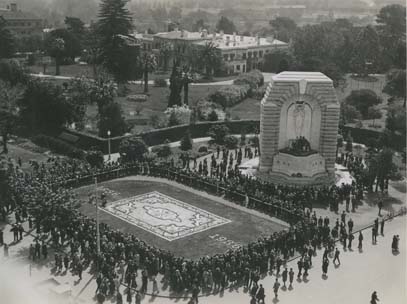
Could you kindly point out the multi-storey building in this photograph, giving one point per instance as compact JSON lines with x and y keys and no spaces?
{"x":21,"y":23}
{"x":239,"y":53}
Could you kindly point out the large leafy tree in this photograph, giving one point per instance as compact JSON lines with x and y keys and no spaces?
{"x":283,"y":28}
{"x":13,"y":72}
{"x":396,"y":120}
{"x":45,"y":107}
{"x":362,"y":100}
{"x":225,"y":25}
{"x":115,"y":22}
{"x":391,"y":21}
{"x":111,"y":119}
{"x":176,"y":85}
{"x":6,"y":39}
{"x":9,"y":96}
{"x":132,"y":149}
{"x":62,"y":44}
{"x":396,"y":84}
{"x":366,"y":51}
{"x":93,"y":49}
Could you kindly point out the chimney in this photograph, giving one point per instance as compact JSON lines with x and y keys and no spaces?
{"x":227,"y":40}
{"x":13,"y":7}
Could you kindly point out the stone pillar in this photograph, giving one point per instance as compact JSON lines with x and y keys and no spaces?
{"x":269,"y":128}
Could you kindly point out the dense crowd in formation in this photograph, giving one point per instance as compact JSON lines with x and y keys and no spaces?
{"x":45,"y":197}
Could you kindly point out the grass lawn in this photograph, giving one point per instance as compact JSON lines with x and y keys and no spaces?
{"x":155,"y":104}
{"x":243,"y":228}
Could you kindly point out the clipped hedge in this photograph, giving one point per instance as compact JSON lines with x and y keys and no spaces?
{"x":58,"y":146}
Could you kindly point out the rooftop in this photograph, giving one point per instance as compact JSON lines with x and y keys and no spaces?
{"x":8,"y":14}
{"x":222,"y":41}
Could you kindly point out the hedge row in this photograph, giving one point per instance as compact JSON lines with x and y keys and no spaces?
{"x":58,"y":146}
{"x":158,"y":136}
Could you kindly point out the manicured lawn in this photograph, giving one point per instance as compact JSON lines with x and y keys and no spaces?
{"x":74,"y":70}
{"x":242,"y":229}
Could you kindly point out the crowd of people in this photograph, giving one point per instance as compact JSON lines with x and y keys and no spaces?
{"x":45,"y":196}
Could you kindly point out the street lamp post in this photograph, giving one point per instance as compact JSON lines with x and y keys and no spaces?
{"x":108,"y":142}
{"x":97,"y":218}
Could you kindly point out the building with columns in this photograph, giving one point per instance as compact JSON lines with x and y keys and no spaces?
{"x":239,"y":53}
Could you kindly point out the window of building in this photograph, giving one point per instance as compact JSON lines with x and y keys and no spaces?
{"x":249,"y":54}
{"x":238,"y":67}
{"x":244,"y":55}
{"x":244,"y":68}
{"x":255,"y":54}
{"x":232,"y":56}
{"x":225,"y":57}
{"x":260,"y":54}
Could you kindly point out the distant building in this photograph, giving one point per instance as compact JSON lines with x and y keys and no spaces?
{"x":239,"y":53}
{"x":21,"y":23}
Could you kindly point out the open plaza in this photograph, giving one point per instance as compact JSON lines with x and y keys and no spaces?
{"x":193,"y":152}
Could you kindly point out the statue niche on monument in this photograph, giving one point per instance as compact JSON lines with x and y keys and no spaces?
{"x":299,"y":117}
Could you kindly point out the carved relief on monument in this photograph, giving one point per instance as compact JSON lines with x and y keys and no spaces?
{"x":299,"y":117}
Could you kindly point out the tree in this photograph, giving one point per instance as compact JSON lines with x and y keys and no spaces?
{"x":132,"y":149}
{"x":164,"y":151}
{"x":175,"y":86}
{"x":114,"y":23}
{"x":218,"y":133}
{"x":366,"y":50}
{"x":187,"y":78}
{"x":93,"y":49}
{"x":225,"y":25}
{"x":9,"y":96}
{"x":396,"y":120}
{"x":7,"y":40}
{"x":165,"y":53}
{"x":396,"y":84}
{"x":13,"y":72}
{"x":283,"y":28}
{"x":199,"y":25}
{"x":349,"y":143}
{"x":111,"y":119}
{"x":175,"y":13}
{"x":210,"y":58}
{"x":392,"y":19}
{"x":381,"y":167}
{"x":278,"y":61}
{"x":373,"y":113}
{"x":213,"y":116}
{"x":362,"y":100}
{"x":45,"y":107}
{"x":186,"y":142}
{"x":75,"y":26}
{"x":148,"y":64}
{"x":62,"y":44}
{"x":349,"y":113}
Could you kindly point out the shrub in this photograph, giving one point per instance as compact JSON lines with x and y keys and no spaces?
{"x":362,"y":100}
{"x":164,"y":150}
{"x":259,"y":93}
{"x":160,"y":82}
{"x":186,"y":142}
{"x":178,"y":115}
{"x":203,"y":149}
{"x":58,"y":146}
{"x":230,"y":95}
{"x":254,"y":79}
{"x":132,"y":149}
{"x":218,"y":133}
{"x":213,"y":116}
{"x":205,"y":108}
{"x":231,"y":142}
{"x":95,"y":158}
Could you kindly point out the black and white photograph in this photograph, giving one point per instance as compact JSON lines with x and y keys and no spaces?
{"x":203,"y":151}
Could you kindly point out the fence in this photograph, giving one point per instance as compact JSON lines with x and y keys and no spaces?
{"x":193,"y":181}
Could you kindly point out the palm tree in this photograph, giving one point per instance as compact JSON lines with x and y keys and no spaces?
{"x":210,"y":58}
{"x":148,"y":64}
{"x":9,"y":96}
{"x":165,"y":54}
{"x":187,"y":78}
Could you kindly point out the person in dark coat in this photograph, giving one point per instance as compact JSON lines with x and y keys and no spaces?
{"x":300,"y":265}
{"x":325,"y":265}
{"x":360,"y":240}
{"x":284,"y":276}
{"x":374,"y":299}
{"x":291,"y":276}
{"x":260,"y":294}
{"x":382,"y":226}
{"x":128,"y":296}
{"x":1,"y":238}
{"x":119,"y":298}
{"x":44,"y":250}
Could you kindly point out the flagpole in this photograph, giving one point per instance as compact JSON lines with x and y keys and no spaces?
{"x":97,"y":217}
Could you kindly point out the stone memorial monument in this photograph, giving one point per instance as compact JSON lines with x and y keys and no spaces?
{"x":298,"y":129}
